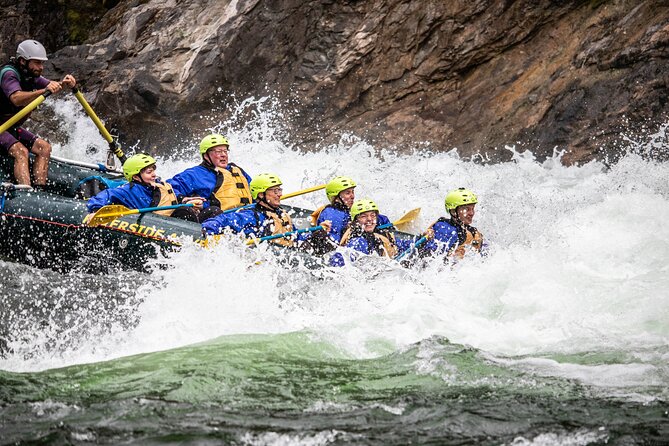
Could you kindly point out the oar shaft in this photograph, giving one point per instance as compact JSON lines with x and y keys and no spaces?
{"x":89,"y":111}
{"x":24,"y":111}
{"x":113,"y":145}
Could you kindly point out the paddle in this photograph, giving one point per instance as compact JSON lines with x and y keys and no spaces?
{"x":403,"y":220}
{"x":251,"y":241}
{"x":413,"y":246}
{"x":303,"y":191}
{"x":24,"y":111}
{"x":107,"y":214}
{"x":114,"y":146}
{"x":290,"y":195}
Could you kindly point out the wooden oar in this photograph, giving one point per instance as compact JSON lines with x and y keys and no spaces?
{"x":290,"y":195}
{"x":114,"y":146}
{"x":107,"y":214}
{"x":24,"y":111}
{"x":403,"y":220}
{"x":251,"y":241}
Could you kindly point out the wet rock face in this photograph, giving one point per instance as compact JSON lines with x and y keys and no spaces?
{"x":472,"y":74}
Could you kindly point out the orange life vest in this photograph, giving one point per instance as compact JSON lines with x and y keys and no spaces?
{"x":231,"y":190}
{"x":281,"y":222}
{"x":163,"y":195}
{"x":385,"y":240}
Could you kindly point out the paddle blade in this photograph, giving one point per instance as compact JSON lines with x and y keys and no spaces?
{"x":407,"y":218}
{"x":107,"y":214}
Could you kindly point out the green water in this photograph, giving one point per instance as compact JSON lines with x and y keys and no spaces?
{"x":293,"y":389}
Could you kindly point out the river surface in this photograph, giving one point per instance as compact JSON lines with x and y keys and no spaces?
{"x":559,"y":337}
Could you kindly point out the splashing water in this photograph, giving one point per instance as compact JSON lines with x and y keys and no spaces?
{"x":574,"y":288}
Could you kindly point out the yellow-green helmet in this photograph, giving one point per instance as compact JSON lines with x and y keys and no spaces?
{"x":361,"y":206}
{"x":263,"y":182}
{"x":134,"y":165}
{"x":336,"y":185}
{"x":459,"y":197}
{"x":212,"y":140}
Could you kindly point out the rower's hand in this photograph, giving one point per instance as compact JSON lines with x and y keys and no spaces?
{"x":54,"y":87}
{"x":197,"y":202}
{"x":69,"y":81}
{"x":327,"y":226}
{"x":429,"y":234}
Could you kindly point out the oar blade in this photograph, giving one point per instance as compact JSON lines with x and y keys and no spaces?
{"x":407,"y":218}
{"x":107,"y":214}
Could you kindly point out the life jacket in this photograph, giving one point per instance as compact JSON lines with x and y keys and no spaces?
{"x":231,"y":189}
{"x":469,"y":238}
{"x":317,"y":212}
{"x":7,"y":109}
{"x":281,"y":222}
{"x":382,"y":241}
{"x":163,"y":195}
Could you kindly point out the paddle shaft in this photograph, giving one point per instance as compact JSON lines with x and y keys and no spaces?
{"x":413,"y":246}
{"x":157,"y":208}
{"x":287,"y":234}
{"x":290,"y":195}
{"x":303,"y":191}
{"x":24,"y":111}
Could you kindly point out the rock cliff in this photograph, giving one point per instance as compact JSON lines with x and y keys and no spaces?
{"x":472,"y":74}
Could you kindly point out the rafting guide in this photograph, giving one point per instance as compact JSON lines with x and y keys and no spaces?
{"x":21,"y":82}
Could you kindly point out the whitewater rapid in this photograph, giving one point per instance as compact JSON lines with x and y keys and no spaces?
{"x":578,"y":264}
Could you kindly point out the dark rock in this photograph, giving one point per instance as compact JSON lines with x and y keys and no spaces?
{"x":473,"y":74}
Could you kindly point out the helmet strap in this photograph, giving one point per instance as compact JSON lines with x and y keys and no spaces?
{"x":264,"y":203}
{"x":207,"y":162}
{"x":338,"y":203}
{"x":454,"y":215}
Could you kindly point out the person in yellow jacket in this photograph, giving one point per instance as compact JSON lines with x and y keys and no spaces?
{"x":221,"y":184}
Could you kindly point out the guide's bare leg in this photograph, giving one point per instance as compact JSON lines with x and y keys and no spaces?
{"x":42,"y":151}
{"x":21,"y":164}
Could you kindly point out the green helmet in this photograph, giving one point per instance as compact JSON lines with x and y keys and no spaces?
{"x":338,"y":184}
{"x":263,"y":182}
{"x":459,"y":197}
{"x":361,"y":206}
{"x":134,"y":165}
{"x":212,"y":140}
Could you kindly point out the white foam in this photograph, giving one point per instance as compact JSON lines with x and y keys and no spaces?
{"x":578,"y":259}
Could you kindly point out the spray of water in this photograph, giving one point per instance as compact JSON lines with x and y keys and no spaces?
{"x":577,"y":270}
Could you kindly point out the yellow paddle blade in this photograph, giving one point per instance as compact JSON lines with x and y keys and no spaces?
{"x":407,"y":218}
{"x":107,"y":214}
{"x":303,"y":191}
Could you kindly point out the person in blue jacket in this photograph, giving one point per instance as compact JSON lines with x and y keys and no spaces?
{"x":363,"y":235}
{"x":144,"y":189}
{"x":341,"y":195}
{"x":221,"y":184}
{"x":454,"y":237}
{"x":265,"y":218}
